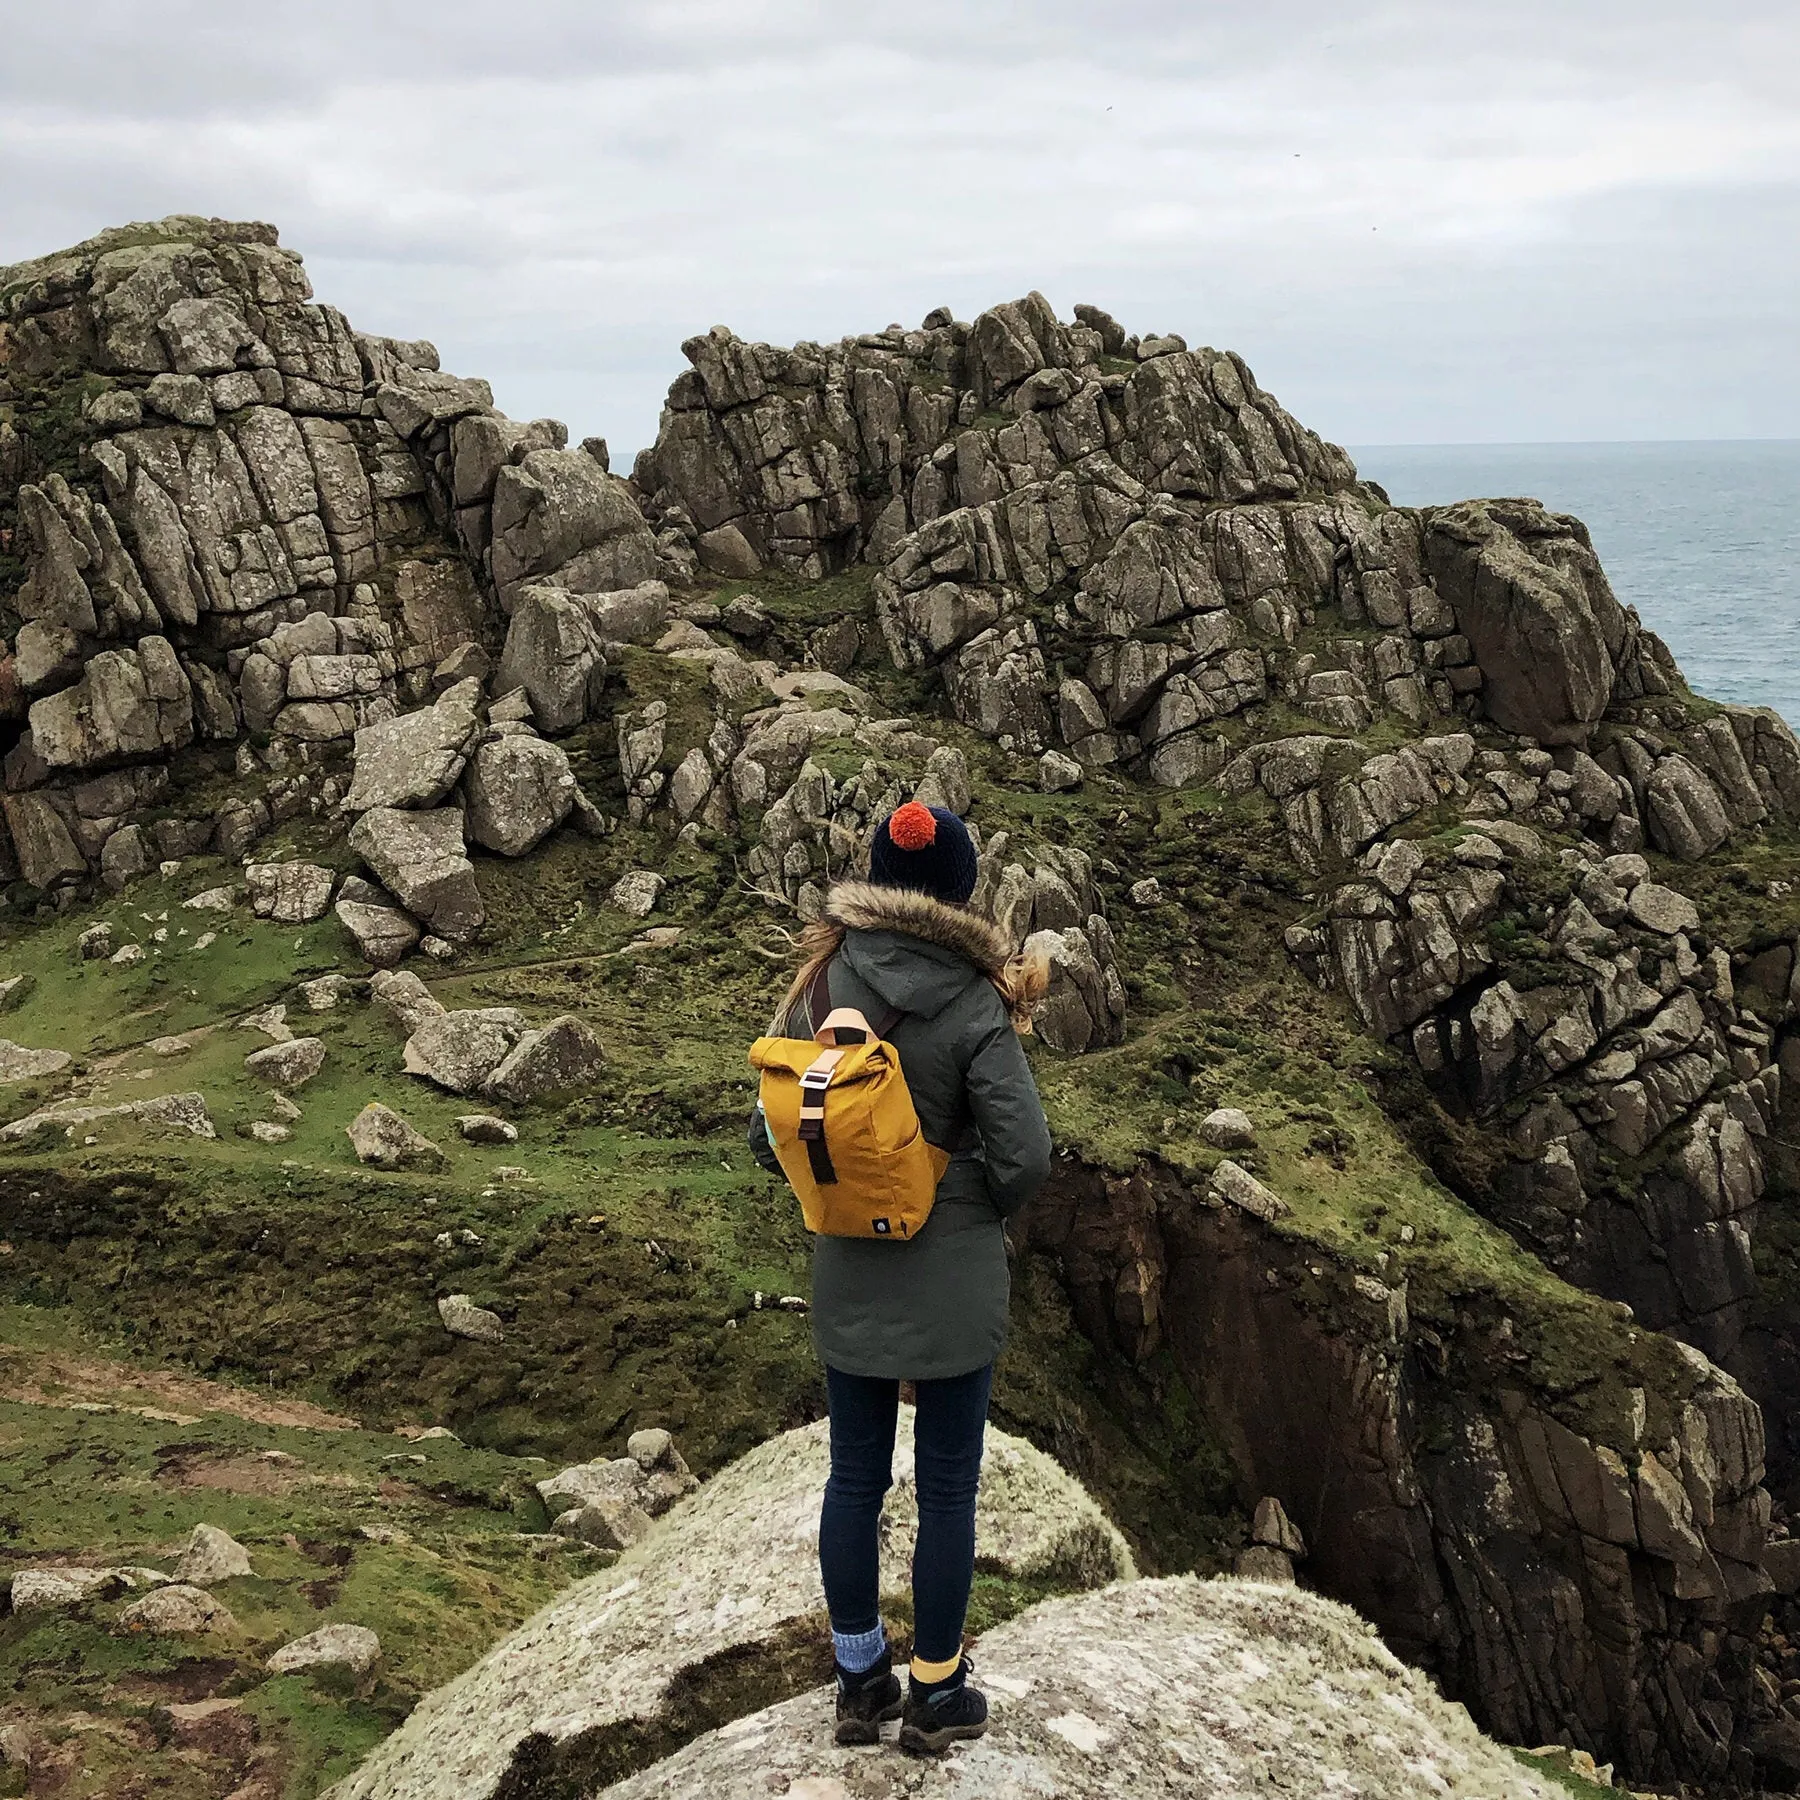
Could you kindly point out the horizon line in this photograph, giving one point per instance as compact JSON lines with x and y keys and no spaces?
{"x":1550,"y":443}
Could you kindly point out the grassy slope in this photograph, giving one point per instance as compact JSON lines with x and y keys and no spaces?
{"x":423,"y":1541}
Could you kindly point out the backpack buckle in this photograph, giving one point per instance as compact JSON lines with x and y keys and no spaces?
{"x":812,"y":1114}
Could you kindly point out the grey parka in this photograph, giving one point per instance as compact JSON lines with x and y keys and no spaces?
{"x":936,"y":1305}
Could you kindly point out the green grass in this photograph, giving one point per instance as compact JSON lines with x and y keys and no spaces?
{"x":451,"y":1573}
{"x":640,"y":1228}
{"x":1561,"y":1774}
{"x":322,"y":1741}
{"x":797,"y":604}
{"x":76,"y":1479}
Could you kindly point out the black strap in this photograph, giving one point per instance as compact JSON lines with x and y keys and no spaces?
{"x":819,"y":1157}
{"x":818,"y":1004}
{"x":818,"y":997}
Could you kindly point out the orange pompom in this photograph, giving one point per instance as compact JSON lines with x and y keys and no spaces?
{"x":912,"y":827}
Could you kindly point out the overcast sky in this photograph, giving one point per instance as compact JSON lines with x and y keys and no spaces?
{"x":1429,"y":221}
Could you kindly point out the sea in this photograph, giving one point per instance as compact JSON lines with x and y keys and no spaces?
{"x":1702,"y":538}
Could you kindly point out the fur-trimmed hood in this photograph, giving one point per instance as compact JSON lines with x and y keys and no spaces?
{"x":950,"y":937}
{"x":863,"y":906}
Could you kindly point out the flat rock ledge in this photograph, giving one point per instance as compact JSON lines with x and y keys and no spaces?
{"x":1222,"y":1690}
{"x":732,"y":1567}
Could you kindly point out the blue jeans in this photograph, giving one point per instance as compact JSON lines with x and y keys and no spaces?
{"x":952,"y":1416}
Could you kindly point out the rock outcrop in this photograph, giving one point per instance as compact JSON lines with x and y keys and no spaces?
{"x":291,"y":893}
{"x":177,"y":1610}
{"x":519,"y":790}
{"x":1215,"y":1690}
{"x":573,"y":1692}
{"x":56,"y":1587}
{"x":807,"y":459}
{"x":1529,"y":595}
{"x":1191,"y":1687}
{"x":172,"y":1113}
{"x":1611,"y":1039}
{"x":238,"y":515}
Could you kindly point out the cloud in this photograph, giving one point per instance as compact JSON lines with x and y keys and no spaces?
{"x":1471,"y":222}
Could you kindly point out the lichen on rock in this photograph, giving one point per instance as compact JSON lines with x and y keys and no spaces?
{"x":591,"y":1674}
{"x":1219,"y":1689}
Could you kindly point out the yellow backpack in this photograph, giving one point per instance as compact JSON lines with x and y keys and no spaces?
{"x":843,"y":1127}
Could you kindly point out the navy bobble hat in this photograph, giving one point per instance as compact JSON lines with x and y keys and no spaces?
{"x":927,"y":849}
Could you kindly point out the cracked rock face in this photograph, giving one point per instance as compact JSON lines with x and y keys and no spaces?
{"x":557,"y":512}
{"x":1481,"y":1538}
{"x":1054,"y":912}
{"x":133,"y":703}
{"x":803,"y":459}
{"x":1627,"y":1038}
{"x":555,"y":655}
{"x":1028,"y":494}
{"x":1530,"y":597}
{"x":269,"y":524}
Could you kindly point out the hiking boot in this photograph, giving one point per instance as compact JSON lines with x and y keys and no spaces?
{"x":939,"y":1713}
{"x":867,"y":1701}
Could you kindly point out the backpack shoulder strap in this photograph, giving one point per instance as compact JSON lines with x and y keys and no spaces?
{"x":818,"y":1006}
{"x":818,"y":998}
{"x":884,"y":1026}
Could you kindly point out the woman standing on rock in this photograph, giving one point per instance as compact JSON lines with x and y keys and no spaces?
{"x":929,"y":1305}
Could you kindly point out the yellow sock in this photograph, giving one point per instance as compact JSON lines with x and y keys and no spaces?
{"x":927,"y":1672}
